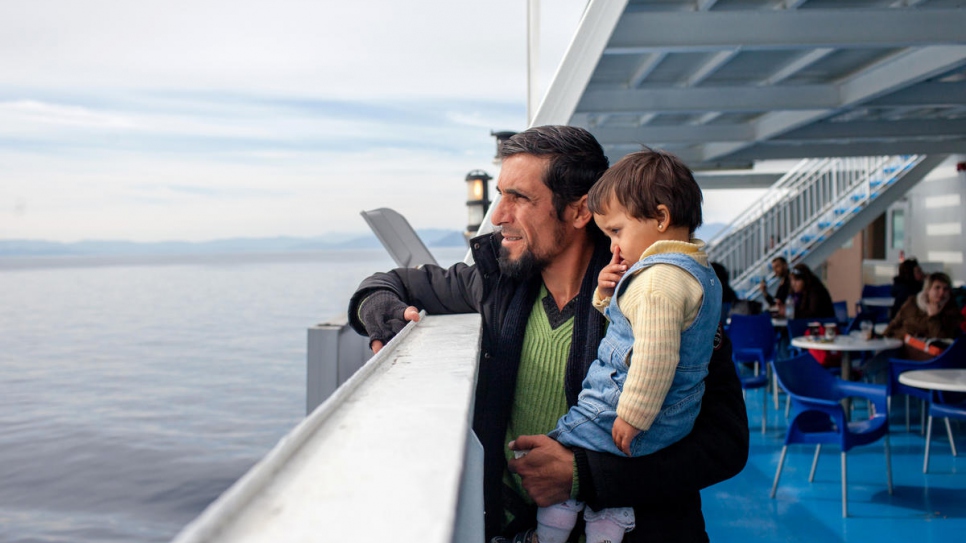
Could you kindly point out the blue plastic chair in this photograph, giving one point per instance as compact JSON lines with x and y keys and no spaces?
{"x":876,"y":291}
{"x":753,"y":342}
{"x":947,"y":411}
{"x":952,"y":357}
{"x":841,"y":313}
{"x":818,"y":416}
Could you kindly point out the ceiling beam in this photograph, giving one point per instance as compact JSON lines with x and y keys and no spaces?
{"x":713,"y":181}
{"x":641,"y":32}
{"x":797,"y":65}
{"x":650,"y":134}
{"x":925,"y":95}
{"x":712,"y":65}
{"x":877,"y":130}
{"x":644,"y":69}
{"x":701,"y":99}
{"x":772,"y":150}
{"x":854,"y":130}
{"x":691,"y":156}
{"x":917,"y":65}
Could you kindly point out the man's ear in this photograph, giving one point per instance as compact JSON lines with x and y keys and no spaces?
{"x":583,"y":215}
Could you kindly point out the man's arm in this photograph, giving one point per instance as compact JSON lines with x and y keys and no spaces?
{"x":437,"y":290}
{"x":715,"y":450}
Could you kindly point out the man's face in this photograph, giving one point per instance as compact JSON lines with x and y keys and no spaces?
{"x":532,"y":233}
{"x":779,"y":267}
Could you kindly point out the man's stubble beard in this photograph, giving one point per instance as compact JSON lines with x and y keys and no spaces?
{"x":528,"y":264}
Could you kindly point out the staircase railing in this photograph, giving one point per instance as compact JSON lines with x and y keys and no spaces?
{"x":799,"y":212}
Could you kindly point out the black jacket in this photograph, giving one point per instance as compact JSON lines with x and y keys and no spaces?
{"x":902,"y":289}
{"x":814,"y":303}
{"x":784,"y":288}
{"x":664,"y":486}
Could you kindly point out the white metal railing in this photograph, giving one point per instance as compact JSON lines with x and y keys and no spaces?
{"x":800,"y":212}
{"x":389,"y":456}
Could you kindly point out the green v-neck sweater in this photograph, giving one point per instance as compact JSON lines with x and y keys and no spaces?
{"x":540,"y":398}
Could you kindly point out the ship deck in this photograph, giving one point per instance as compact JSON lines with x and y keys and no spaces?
{"x":923,"y":507}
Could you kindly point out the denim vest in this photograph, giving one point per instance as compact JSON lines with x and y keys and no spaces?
{"x":588,"y":424}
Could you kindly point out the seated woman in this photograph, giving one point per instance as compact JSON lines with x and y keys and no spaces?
{"x":930,"y":314}
{"x":907,"y":283}
{"x":812,"y":300}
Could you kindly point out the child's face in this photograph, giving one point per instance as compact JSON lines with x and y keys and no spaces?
{"x":632,"y":236}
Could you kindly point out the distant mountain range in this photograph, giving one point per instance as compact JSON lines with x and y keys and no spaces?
{"x":432,"y":237}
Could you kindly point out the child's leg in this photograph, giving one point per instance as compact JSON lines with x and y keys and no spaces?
{"x":555,"y":523}
{"x":608,"y":525}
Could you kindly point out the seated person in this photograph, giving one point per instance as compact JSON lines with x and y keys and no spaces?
{"x":812,"y":300}
{"x":780,"y":267}
{"x":929,"y":314}
{"x":907,"y":283}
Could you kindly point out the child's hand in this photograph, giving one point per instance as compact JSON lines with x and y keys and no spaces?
{"x":611,"y":274}
{"x":623,"y":434}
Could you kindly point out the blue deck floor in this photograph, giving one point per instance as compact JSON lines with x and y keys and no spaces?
{"x":924,"y":508}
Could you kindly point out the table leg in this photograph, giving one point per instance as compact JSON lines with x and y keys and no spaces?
{"x":846,"y":373}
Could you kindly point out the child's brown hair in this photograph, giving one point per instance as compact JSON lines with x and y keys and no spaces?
{"x":642,"y":181}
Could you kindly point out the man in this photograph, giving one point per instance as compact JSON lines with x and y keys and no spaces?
{"x":533,"y":283}
{"x":780,"y":267}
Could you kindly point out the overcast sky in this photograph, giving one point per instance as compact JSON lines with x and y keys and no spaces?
{"x":193,"y":120}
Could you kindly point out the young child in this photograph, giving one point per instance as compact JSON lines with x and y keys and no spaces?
{"x":663,"y":301}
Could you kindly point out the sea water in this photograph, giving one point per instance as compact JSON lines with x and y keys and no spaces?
{"x":135,"y":390}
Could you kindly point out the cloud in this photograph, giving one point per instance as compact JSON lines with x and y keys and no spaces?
{"x":199,"y":119}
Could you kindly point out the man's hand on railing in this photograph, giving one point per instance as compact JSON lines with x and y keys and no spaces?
{"x":384,"y":315}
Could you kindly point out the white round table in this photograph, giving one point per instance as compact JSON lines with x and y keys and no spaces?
{"x":950,"y":380}
{"x":847,"y":345}
{"x":884,"y":301}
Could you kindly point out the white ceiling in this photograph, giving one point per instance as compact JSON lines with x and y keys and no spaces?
{"x":726,"y":83}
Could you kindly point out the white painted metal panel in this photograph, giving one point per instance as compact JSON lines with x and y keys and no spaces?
{"x":381,"y":460}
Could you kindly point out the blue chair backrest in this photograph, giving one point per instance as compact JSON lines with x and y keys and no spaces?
{"x":953,"y":357}
{"x":802,"y":376}
{"x":841,"y":311}
{"x":752,"y":332}
{"x":876,"y":291}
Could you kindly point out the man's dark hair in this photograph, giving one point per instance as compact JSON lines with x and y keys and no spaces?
{"x":576,"y":160}
{"x":642,"y":181}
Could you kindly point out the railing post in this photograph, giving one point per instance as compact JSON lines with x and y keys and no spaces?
{"x":335,"y":351}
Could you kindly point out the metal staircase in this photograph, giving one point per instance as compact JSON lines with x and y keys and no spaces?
{"x":811,"y":211}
